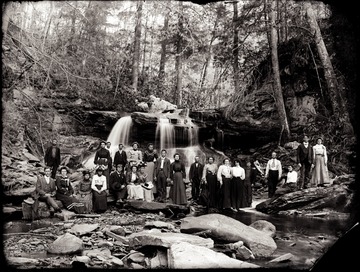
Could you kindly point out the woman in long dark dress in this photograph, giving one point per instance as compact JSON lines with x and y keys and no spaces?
{"x":85,"y":192}
{"x":210,"y":180}
{"x":99,"y":187}
{"x":149,"y":158}
{"x":65,"y":192}
{"x":238,"y":197}
{"x":250,"y":178}
{"x":102,"y":158}
{"x":178,"y":175}
{"x":224,"y":176}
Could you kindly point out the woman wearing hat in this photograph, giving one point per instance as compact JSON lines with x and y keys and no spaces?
{"x":320,"y":171}
{"x":134,"y":188}
{"x":99,"y":187}
{"x":85,"y":192}
{"x":65,"y":192}
{"x":134,"y":155}
{"x":103,"y":158}
{"x":178,"y":175}
{"x":150,"y":156}
{"x":146,"y":183}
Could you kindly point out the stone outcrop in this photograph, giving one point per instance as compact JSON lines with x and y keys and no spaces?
{"x":188,"y":256}
{"x":166,"y":239}
{"x":224,"y":228}
{"x":66,"y":244}
{"x":264,"y":226}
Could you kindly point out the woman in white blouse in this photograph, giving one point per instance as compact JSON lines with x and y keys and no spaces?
{"x":320,"y":172}
{"x":99,"y":187}
{"x":224,"y":176}
{"x":238,"y":197}
{"x":134,"y":188}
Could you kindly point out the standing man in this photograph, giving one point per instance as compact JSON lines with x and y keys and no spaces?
{"x":195,"y":174}
{"x":120,"y":157}
{"x":52,"y":157}
{"x":304,"y":159}
{"x":162,"y":175}
{"x":273,"y":174}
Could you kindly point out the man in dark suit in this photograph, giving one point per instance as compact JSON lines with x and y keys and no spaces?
{"x":162,"y":175}
{"x":195,"y":174}
{"x":118,"y":183}
{"x":120,"y":157}
{"x":304,"y":159}
{"x":52,"y":157}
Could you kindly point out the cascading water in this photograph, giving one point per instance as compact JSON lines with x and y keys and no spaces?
{"x":119,"y":134}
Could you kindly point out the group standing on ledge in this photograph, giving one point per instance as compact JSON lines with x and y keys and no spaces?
{"x":146,"y":176}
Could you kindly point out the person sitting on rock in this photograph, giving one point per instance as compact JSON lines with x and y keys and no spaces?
{"x":99,"y":187}
{"x":134,"y":189}
{"x":45,"y":191}
{"x":65,"y":192}
{"x":118,"y":183}
{"x":291,"y":178}
{"x":85,"y":192}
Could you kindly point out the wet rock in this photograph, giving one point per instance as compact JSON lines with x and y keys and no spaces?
{"x":66,"y":244}
{"x":283,"y":258}
{"x":188,"y":256}
{"x":105,"y":244}
{"x":65,"y":215}
{"x":21,"y":261}
{"x":166,"y":239}
{"x":104,"y":255}
{"x":83,"y":259}
{"x":118,"y":230}
{"x":224,"y":228}
{"x":82,"y":229}
{"x":160,"y":105}
{"x":159,"y":225}
{"x":137,"y":257}
{"x":156,"y":207}
{"x":136,"y":266}
{"x":264,"y":226}
{"x":160,"y":260}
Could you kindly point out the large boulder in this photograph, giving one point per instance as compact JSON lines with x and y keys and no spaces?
{"x":160,"y":105}
{"x":188,"y":256}
{"x":66,"y":244}
{"x":264,"y":226}
{"x":227,"y":229}
{"x":166,"y":239}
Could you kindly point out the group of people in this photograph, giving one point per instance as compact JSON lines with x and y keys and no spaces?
{"x":134,"y":174}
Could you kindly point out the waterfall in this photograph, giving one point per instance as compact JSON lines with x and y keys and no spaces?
{"x":165,"y":132}
{"x":120,"y":132}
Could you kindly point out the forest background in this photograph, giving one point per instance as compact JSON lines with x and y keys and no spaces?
{"x":223,"y":55}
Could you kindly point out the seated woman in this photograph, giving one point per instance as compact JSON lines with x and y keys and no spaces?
{"x":45,"y":191}
{"x":134,"y":189}
{"x":99,"y":187}
{"x":85,"y":192}
{"x":65,"y":192}
{"x":146,"y":183}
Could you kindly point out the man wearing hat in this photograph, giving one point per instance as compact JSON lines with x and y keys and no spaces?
{"x":304,"y":159}
{"x":118,"y":183}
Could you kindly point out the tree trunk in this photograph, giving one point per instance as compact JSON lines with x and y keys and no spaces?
{"x":279,"y":100}
{"x":144,"y":51}
{"x":335,"y":94}
{"x":266,"y":19}
{"x":235,"y":50}
{"x":209,"y":53}
{"x":7,"y":13}
{"x":48,"y":23}
{"x":178,"y":58}
{"x":163,"y":47}
{"x":136,"y":57}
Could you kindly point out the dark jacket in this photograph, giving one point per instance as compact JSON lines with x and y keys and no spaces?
{"x":304,"y":155}
{"x":166,"y":168}
{"x":49,"y":159}
{"x":43,"y":188}
{"x":63,"y":186}
{"x":116,"y":180}
{"x":102,"y":153}
{"x":193,"y":169}
{"x":120,"y":158}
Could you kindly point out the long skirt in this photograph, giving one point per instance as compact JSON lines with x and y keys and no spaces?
{"x":247,"y":193}
{"x":238,"y":197}
{"x":149,"y":170}
{"x":226,"y":193}
{"x":320,"y":173}
{"x":214,"y":190}
{"x":71,"y":203}
{"x":87,"y":200}
{"x":148,"y":195}
{"x":99,"y":201}
{"x":135,"y":191}
{"x":177,"y":192}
